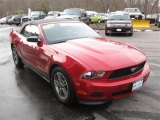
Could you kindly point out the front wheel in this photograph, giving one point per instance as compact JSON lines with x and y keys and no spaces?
{"x":159,"y":24}
{"x":130,"y":34}
{"x":61,"y":85}
{"x":17,"y":60}
{"x":106,"y":33}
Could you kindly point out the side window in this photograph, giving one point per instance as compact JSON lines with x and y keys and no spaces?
{"x":30,"y":30}
{"x":26,"y":31}
{"x":34,"y":31}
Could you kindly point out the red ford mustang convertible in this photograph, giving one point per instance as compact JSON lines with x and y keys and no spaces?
{"x":79,"y":63}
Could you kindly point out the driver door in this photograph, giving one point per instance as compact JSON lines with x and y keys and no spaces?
{"x":31,"y":51}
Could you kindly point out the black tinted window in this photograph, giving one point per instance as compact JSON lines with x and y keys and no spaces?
{"x":119,"y":17}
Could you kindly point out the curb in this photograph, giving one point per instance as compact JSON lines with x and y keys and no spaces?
{"x":135,"y":30}
{"x":147,"y":30}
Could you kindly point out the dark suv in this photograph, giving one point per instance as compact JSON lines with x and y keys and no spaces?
{"x":35,"y":15}
{"x":17,"y":19}
{"x":75,"y":13}
{"x":119,"y":22}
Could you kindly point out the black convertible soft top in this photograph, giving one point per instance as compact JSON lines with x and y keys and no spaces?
{"x":43,"y":21}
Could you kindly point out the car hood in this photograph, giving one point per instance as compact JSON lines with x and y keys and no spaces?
{"x":119,"y":21}
{"x":135,"y":14}
{"x":101,"y":54}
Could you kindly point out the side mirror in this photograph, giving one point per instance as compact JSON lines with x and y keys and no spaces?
{"x":33,"y":39}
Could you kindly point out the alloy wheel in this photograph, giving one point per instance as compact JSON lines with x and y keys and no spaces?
{"x":61,"y":86}
{"x":15,"y":56}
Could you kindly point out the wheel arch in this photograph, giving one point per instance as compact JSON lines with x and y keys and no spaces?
{"x":53,"y":66}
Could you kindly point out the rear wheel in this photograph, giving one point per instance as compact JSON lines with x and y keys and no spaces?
{"x":61,"y":85}
{"x":17,"y":60}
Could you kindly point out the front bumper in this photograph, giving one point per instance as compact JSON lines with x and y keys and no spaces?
{"x":106,"y":90}
{"x":119,"y":30}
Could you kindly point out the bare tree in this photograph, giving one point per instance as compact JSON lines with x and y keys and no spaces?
{"x":95,"y":5}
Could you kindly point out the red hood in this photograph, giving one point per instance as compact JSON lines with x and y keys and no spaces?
{"x":102,"y":54}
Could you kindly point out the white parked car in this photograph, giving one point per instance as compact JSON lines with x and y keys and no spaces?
{"x":89,"y":13}
{"x":104,"y":16}
{"x":135,"y":13}
{"x":3,"y":20}
{"x":54,"y":13}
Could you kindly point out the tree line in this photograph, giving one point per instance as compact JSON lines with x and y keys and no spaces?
{"x":10,"y":7}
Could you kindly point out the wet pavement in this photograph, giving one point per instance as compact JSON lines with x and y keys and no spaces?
{"x":26,"y":96}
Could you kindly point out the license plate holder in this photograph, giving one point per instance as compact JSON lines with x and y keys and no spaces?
{"x":119,"y":30}
{"x":137,"y":85}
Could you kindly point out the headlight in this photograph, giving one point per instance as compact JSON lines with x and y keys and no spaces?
{"x":109,"y":25}
{"x":129,"y":25}
{"x":93,"y":75}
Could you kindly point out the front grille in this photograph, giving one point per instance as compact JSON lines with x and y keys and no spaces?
{"x":25,"y":19}
{"x":126,"y":71}
{"x":122,"y":29}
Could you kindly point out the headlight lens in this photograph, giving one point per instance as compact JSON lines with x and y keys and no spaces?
{"x":109,"y":25}
{"x":129,"y":25}
{"x":93,"y":75}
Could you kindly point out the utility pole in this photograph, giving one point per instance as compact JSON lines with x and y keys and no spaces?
{"x":157,"y":7}
{"x":145,"y":8}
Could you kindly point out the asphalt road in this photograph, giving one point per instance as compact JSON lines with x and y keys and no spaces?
{"x":26,"y":96}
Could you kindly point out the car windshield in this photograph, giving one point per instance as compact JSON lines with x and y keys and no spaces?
{"x":35,"y":13}
{"x":61,"y":32}
{"x":132,"y":10}
{"x":72,"y":12}
{"x":119,"y":17}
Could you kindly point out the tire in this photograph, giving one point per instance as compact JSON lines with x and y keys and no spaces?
{"x":130,"y":34}
{"x":155,"y":24}
{"x":106,"y":33}
{"x":158,"y":24}
{"x":17,"y":60}
{"x":62,"y":87}
{"x":90,"y":21}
